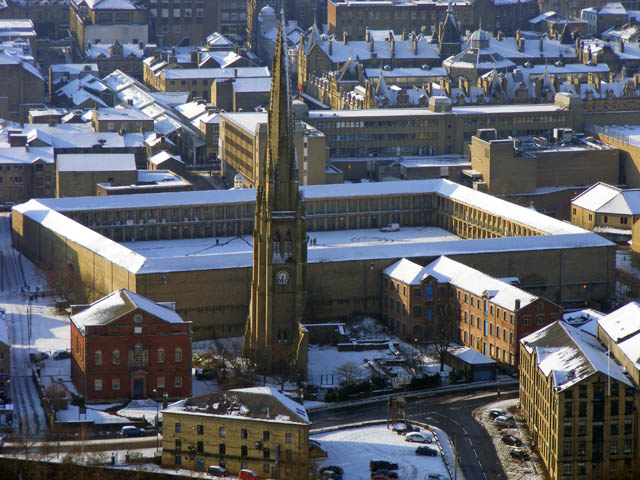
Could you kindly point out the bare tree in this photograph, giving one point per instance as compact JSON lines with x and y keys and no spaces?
{"x":446,"y":327}
{"x":348,"y":373}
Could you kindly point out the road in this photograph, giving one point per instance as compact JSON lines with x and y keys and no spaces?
{"x":451,"y":413}
{"x":28,"y":415}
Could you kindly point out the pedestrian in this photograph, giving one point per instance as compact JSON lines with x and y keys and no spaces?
{"x":498,"y":394}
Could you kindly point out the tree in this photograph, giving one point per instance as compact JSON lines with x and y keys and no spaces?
{"x":348,"y":373}
{"x":446,"y":327}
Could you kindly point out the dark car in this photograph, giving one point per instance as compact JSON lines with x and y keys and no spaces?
{"x":62,"y":354}
{"x":330,"y":475}
{"x":426,"y":450}
{"x":391,"y":474}
{"x":38,"y":356}
{"x":402,"y":428}
{"x":375,"y":465}
{"x":132,"y":431}
{"x":520,"y":454}
{"x":217,"y":471}
{"x":497,"y":412}
{"x":511,"y":440}
{"x":332,"y":468}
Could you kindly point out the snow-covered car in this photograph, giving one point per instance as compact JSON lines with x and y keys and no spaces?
{"x":497,"y":412}
{"x":131,"y":431}
{"x":435,"y":476}
{"x":403,"y":428}
{"x":419,"y":437}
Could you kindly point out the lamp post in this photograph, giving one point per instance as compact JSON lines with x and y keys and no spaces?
{"x":155,"y":395}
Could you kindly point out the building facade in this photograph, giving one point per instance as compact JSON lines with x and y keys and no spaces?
{"x":125,"y":346}
{"x":256,"y":428}
{"x":490,"y":315}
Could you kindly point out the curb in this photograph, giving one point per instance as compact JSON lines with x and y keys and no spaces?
{"x":417,"y":394}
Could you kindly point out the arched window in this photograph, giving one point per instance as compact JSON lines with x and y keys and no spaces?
{"x":287,"y":246}
{"x":161,"y":355}
{"x":178,"y":355}
{"x":98,"y":357}
{"x":115,"y":357}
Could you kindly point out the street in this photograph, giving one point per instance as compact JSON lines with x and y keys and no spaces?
{"x":451,"y":413}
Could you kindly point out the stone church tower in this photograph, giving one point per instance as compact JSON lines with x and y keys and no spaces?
{"x":275,"y":337}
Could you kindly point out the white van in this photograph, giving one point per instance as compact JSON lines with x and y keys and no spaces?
{"x":392,"y":227}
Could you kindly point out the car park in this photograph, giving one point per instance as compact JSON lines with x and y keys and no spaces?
{"x":217,"y":471}
{"x":503,"y":421}
{"x":390,"y":474}
{"x":419,"y":437}
{"x":404,"y":428}
{"x":392,"y":227}
{"x":511,"y":440}
{"x":330,"y":475}
{"x":520,"y":454}
{"x":426,"y":450}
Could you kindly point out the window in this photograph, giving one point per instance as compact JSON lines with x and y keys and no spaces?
{"x":243,"y":451}
{"x":582,"y":449}
{"x":200,"y":447}
{"x":568,"y":410}
{"x":97,"y":385}
{"x":582,"y":393}
{"x":615,"y":389}
{"x":265,"y":468}
{"x":200,"y":429}
{"x":628,"y":426}
{"x":567,"y":447}
{"x":222,"y":432}
{"x":178,"y":355}
{"x":222,"y":449}
{"x":178,"y":444}
{"x":98,"y":357}
{"x":539,"y":319}
{"x":178,"y":428}
{"x":137,"y":318}
{"x":614,"y":407}
{"x":265,"y":436}
{"x":613,"y":427}
{"x":161,"y":355}
{"x":288,"y":438}
{"x":115,"y":357}
{"x":525,"y":320}
{"x":266,"y":453}
{"x":243,"y":434}
{"x":628,"y":407}
{"x":582,"y":409}
{"x":626,"y":445}
{"x":582,"y":428}
{"x":566,"y":469}
{"x":178,"y":459}
{"x":613,"y":447}
{"x":115,"y":384}
{"x":582,"y":468}
{"x":160,"y":382}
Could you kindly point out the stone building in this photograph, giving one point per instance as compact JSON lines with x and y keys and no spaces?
{"x":5,"y":359}
{"x":579,"y":404}
{"x":26,"y":172}
{"x":22,"y":84}
{"x":255,"y":428}
{"x":550,"y":257}
{"x":78,"y":174}
{"x":121,"y":120}
{"x":182,"y":21}
{"x":51,"y":19}
{"x":126,"y":346}
{"x":490,"y":315}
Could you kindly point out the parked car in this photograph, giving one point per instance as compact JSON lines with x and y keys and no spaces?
{"x":435,"y":476}
{"x":419,"y":437}
{"x":332,"y":468}
{"x":392,"y":227}
{"x":375,"y":465}
{"x":38,"y":356}
{"x":131,"y":431}
{"x":217,"y":471}
{"x":497,"y":412}
{"x":511,"y":440}
{"x":503,"y":421}
{"x":379,"y":477}
{"x":3,"y":438}
{"x":403,"y":428}
{"x":61,"y":354}
{"x":428,"y":451}
{"x":520,"y":453}
{"x":245,"y":474}
{"x":390,"y":474}
{"x":330,"y":475}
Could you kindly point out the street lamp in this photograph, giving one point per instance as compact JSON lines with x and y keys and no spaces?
{"x":155,"y":394}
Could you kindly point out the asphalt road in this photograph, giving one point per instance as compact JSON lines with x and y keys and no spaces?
{"x":451,"y":413}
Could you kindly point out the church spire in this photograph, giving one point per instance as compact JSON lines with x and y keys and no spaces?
{"x":281,"y":166}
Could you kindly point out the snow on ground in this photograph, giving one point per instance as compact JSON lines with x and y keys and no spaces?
{"x":353,"y":448}
{"x":144,"y":408}
{"x":325,"y":362}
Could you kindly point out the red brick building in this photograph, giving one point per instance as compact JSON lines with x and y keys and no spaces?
{"x":492,"y":315}
{"x":126,"y":346}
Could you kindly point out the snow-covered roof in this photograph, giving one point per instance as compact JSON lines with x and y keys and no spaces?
{"x":120,"y":114}
{"x":109,"y":4}
{"x":265,"y":404}
{"x":470,"y":356}
{"x":96,"y":162}
{"x":120,"y":303}
{"x":248,"y":85}
{"x":607,"y":199}
{"x":74,"y":68}
{"x":613,"y":8}
{"x":21,"y":155}
{"x":469,"y":279}
{"x":235,"y":72}
{"x":4,"y":333}
{"x":570,"y":355}
{"x":622,"y":323}
{"x":163,"y":156}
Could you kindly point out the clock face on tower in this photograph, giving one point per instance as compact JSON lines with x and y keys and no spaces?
{"x":282,"y":277}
